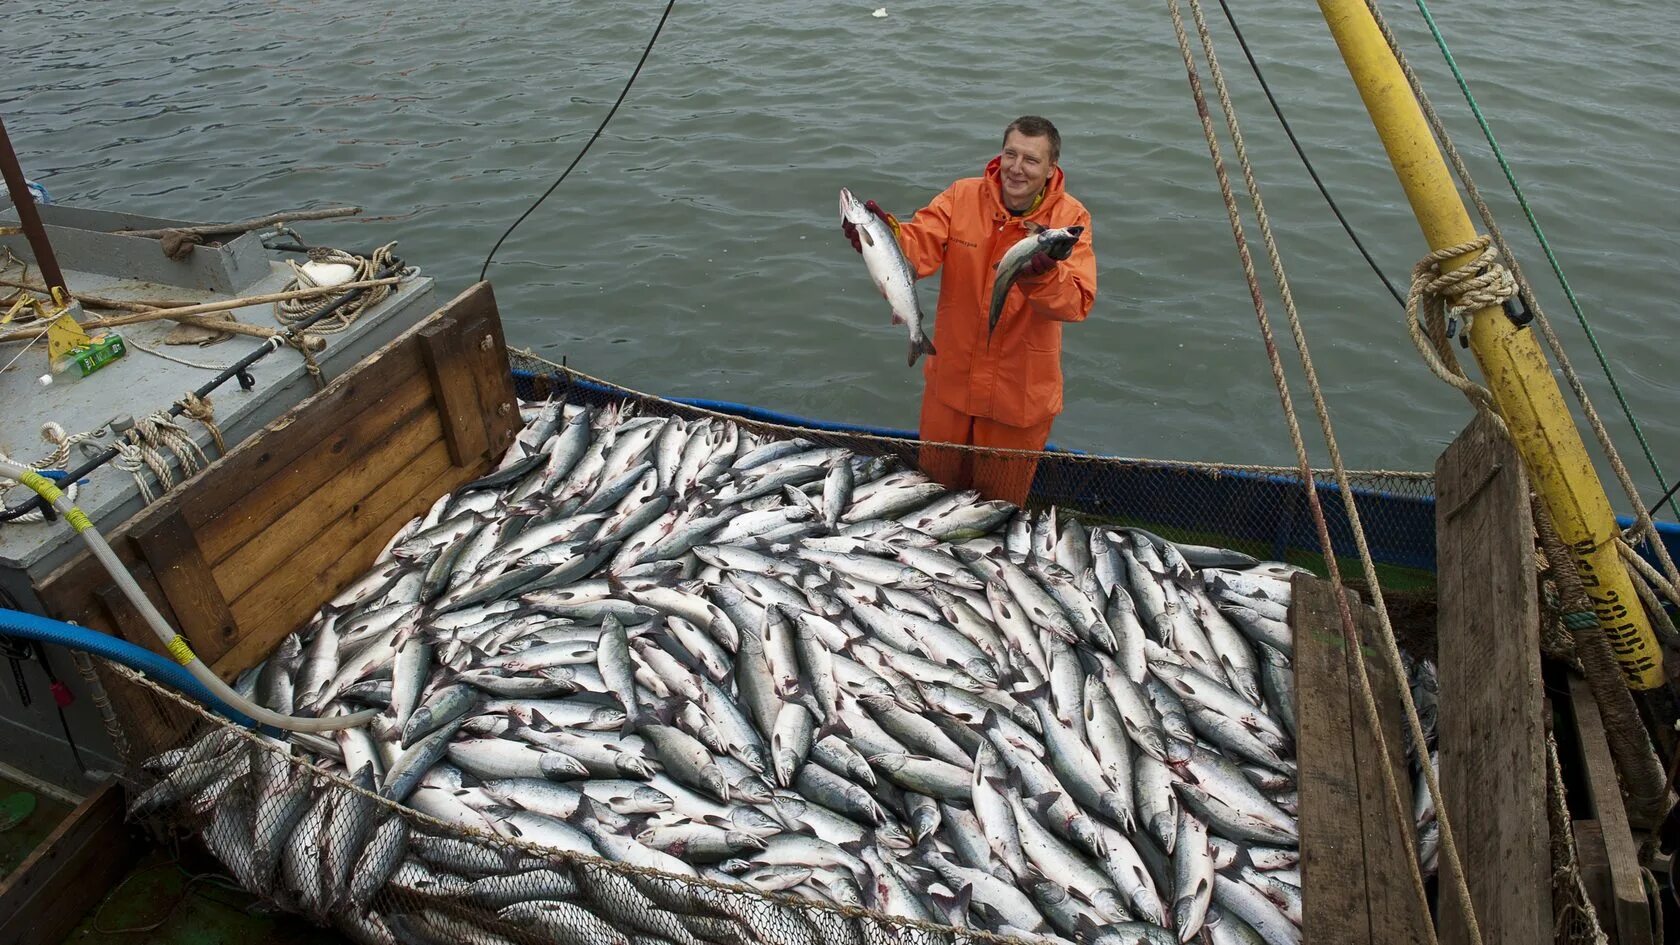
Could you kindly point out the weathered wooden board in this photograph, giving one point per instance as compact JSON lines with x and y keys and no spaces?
{"x":321,"y":567}
{"x":346,"y":428}
{"x":246,"y":550}
{"x":311,"y":515}
{"x":1629,"y":913}
{"x":1492,"y":708}
{"x":70,"y":872}
{"x":171,"y":550}
{"x":1356,"y":857}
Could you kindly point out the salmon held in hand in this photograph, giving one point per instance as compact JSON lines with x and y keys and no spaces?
{"x":890,"y":270}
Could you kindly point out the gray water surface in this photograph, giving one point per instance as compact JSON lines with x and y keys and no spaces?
{"x":695,"y":251}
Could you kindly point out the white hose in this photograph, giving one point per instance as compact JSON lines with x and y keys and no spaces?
{"x":173,"y":642}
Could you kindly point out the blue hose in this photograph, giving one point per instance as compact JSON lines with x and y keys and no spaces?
{"x":15,"y":623}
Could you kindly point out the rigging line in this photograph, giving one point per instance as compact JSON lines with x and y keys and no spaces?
{"x":1278,"y":110}
{"x":592,"y":138}
{"x":1551,"y":258}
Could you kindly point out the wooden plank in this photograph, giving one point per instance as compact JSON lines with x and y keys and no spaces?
{"x":256,"y":646}
{"x":1356,"y":858}
{"x":315,"y":513}
{"x":477,"y":307}
{"x":449,"y":366}
{"x":298,"y":432}
{"x":1334,"y":906}
{"x":1491,"y":721}
{"x":1594,"y":866}
{"x":1396,"y":913}
{"x":201,"y":613}
{"x":1632,"y":914}
{"x":70,"y":872}
{"x":343,"y":438}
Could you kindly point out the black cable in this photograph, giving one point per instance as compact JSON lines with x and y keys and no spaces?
{"x":1278,"y":110}
{"x":563,"y":174}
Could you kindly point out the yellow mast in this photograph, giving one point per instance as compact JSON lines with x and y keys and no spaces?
{"x":1515,"y":369}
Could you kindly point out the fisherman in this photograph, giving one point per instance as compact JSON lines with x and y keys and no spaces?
{"x":999,"y":388}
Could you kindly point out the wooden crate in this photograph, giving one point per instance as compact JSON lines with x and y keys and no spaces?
{"x":247,"y":550}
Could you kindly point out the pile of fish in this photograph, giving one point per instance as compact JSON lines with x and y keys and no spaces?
{"x":779,"y":665}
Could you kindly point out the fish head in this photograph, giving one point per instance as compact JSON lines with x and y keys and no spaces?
{"x":1058,"y":244}
{"x":852,"y":209}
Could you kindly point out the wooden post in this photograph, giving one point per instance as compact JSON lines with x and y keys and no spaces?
{"x":1492,"y":708}
{"x":1356,"y":860}
{"x":1628,"y":919}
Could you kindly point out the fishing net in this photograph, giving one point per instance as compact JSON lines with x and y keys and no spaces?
{"x":291,"y":827}
{"x":248,"y":797}
{"x":1261,"y":510}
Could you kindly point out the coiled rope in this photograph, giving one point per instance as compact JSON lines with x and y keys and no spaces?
{"x":292,"y":311}
{"x":1389,"y":648}
{"x":1546,"y":248}
{"x":1643,"y":528}
{"x":1437,"y":299}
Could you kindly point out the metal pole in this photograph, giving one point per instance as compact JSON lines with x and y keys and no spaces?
{"x":1513,"y":365}
{"x":24,"y":201}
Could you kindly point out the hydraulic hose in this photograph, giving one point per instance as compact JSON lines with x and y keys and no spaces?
{"x":172,"y":641}
{"x":16,"y":623}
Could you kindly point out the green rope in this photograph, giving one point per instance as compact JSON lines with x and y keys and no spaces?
{"x":1557,"y":268}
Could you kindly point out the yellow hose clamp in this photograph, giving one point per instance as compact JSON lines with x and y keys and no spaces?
{"x":42,"y":486}
{"x":179,"y":649}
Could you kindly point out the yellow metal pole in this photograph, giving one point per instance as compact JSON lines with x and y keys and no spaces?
{"x":1512,"y":363}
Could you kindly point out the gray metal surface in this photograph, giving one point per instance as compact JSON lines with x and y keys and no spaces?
{"x":97,"y":262}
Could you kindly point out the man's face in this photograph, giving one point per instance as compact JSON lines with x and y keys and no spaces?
{"x":1025,"y":169}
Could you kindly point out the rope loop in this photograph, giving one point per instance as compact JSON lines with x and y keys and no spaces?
{"x":1437,"y":299}
{"x":202,"y":410}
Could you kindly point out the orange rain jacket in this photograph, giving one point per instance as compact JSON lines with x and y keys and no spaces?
{"x":1015,"y":375}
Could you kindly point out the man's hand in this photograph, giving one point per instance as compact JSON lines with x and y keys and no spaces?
{"x":1038,"y":265}
{"x":1042,"y":262}
{"x":850,"y":229}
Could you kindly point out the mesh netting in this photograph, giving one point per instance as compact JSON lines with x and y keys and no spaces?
{"x":1262,"y":510}
{"x":587,"y":758}
{"x":395,"y":874}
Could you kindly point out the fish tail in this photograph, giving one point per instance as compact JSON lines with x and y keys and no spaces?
{"x":920,"y":347}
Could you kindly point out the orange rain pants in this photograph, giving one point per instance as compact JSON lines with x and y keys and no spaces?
{"x":996,"y":477}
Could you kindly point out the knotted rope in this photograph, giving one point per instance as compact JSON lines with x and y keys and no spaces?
{"x":53,"y":433}
{"x":1643,"y":526}
{"x":200,"y":409}
{"x":1437,"y":299}
{"x":1388,"y":647}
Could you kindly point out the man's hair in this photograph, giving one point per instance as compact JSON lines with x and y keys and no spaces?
{"x":1035,"y":127}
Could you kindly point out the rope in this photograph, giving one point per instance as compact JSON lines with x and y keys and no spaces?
{"x":1389,"y":647}
{"x":1301,"y":152}
{"x":1643,"y":525}
{"x":132,"y":459}
{"x":1437,"y":298}
{"x":1645,"y":570}
{"x":1660,"y":622}
{"x":1641,"y":771}
{"x":154,"y":352}
{"x":276,"y":747}
{"x":160,"y":429}
{"x":1545,"y":247}
{"x":1420,"y":480}
{"x":292,"y":311}
{"x":54,"y":434}
{"x":102,"y":702}
{"x":1572,"y":907}
{"x":200,"y":409}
